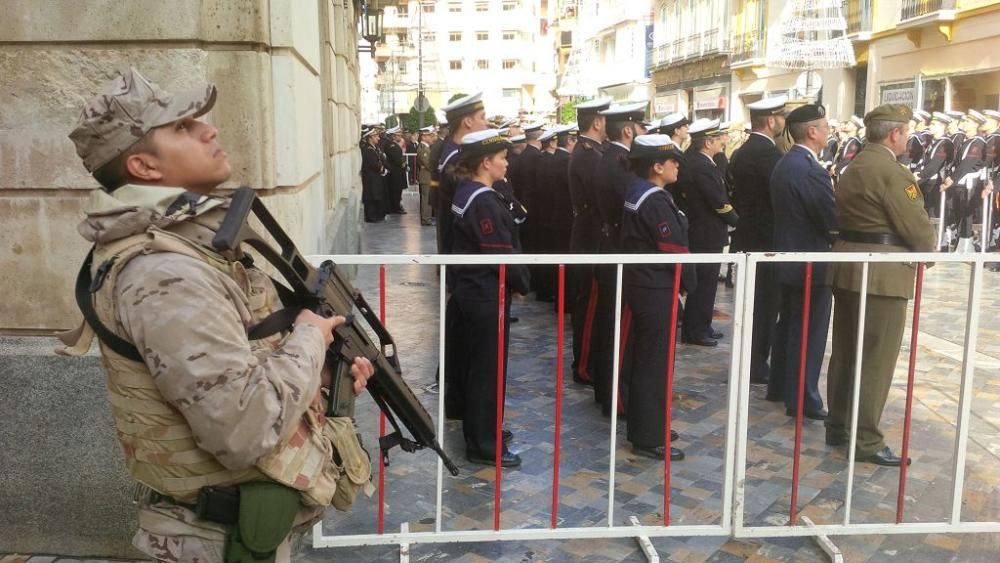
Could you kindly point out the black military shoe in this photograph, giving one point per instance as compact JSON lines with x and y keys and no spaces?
{"x":674,"y":435}
{"x":885,"y":458}
{"x":758,"y":378}
{"x":716,"y":335}
{"x":814,"y":415}
{"x":507,"y":459}
{"x":659,"y":452}
{"x":708,"y":342}
{"x":582,"y":381}
{"x":836,"y":438}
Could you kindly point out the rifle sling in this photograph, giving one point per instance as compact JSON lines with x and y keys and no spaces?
{"x":85,"y":288}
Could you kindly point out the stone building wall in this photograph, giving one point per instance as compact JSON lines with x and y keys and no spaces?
{"x":288,"y":114}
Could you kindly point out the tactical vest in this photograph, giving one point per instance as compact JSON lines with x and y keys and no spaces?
{"x":159,"y":446}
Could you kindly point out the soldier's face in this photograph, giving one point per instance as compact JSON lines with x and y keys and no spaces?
{"x":188,"y":155}
{"x":681,"y":132}
{"x":570,"y":142}
{"x":477,"y":121}
{"x":937,"y":128}
{"x":667,"y":170}
{"x":495,"y":166}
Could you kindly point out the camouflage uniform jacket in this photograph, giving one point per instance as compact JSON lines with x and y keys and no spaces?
{"x":209,"y":406}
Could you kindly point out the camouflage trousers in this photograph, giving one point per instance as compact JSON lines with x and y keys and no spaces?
{"x":172,"y":534}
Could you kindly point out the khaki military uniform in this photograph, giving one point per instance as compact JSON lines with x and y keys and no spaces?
{"x":875,"y":195}
{"x":207,"y":406}
{"x":424,"y":182}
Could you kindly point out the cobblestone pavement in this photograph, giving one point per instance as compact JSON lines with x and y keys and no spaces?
{"x":701,"y":418}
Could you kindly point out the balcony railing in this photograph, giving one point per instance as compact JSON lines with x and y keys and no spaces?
{"x":859,"y":16}
{"x":746,"y":48}
{"x":693,"y":47}
{"x":913,"y":9}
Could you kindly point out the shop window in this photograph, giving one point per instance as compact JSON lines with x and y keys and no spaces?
{"x":933,"y":94}
{"x":860,"y":89}
{"x":482,"y":36}
{"x":455,"y":65}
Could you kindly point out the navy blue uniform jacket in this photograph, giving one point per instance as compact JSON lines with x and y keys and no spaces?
{"x":482,"y":224}
{"x":705,"y":202}
{"x":751,"y":168}
{"x":805,"y":213}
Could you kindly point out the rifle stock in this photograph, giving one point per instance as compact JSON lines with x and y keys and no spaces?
{"x":325,"y":291}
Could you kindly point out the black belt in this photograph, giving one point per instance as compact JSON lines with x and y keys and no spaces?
{"x":872,"y":238}
{"x":215,"y":504}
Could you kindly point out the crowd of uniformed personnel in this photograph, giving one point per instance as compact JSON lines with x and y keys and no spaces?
{"x":616,"y":182}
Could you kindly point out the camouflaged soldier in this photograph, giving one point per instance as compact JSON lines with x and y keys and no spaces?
{"x":206,"y":411}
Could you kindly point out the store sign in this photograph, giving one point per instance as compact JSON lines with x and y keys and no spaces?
{"x":665,"y":104}
{"x":904,"y":94}
{"x":711,"y":98}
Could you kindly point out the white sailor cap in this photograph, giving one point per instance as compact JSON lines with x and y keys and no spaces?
{"x":656,"y":148}
{"x":548,"y":134}
{"x":566,"y":129}
{"x":992,"y":113}
{"x":768,"y":106}
{"x":976,"y":116}
{"x":394,"y":130}
{"x":428,"y":129}
{"x":726,"y":126}
{"x":464,"y":106}
{"x":955,"y":115}
{"x":532,"y":127}
{"x":673,"y":121}
{"x":483,"y":142}
{"x":920,"y":115}
{"x":857,"y":121}
{"x":507,"y":124}
{"x":518,"y":138}
{"x":705,"y":128}
{"x":833,"y":123}
{"x":941,"y":117}
{"x":635,"y":111}
{"x":593,"y":106}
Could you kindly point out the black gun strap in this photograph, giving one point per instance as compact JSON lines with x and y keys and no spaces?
{"x":279,"y":320}
{"x":85,"y":300}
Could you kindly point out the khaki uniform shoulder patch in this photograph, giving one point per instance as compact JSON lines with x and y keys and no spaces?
{"x":912,"y":192}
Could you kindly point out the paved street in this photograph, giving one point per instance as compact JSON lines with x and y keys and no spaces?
{"x":700,"y":418}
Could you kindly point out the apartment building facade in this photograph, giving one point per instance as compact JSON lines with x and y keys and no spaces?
{"x":461,"y":46}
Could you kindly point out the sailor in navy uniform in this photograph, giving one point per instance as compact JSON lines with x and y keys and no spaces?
{"x":557,"y":208}
{"x":851,"y":145}
{"x":481,"y":224}
{"x":704,"y":200}
{"x":373,"y":172}
{"x":751,"y":168}
{"x":651,"y":223}
{"x":585,"y":237}
{"x":613,"y":176}
{"x":936,"y":162}
{"x":970,"y":176}
{"x":465,"y":115}
{"x":544,"y":277}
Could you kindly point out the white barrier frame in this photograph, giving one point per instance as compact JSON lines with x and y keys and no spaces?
{"x":734,"y":479}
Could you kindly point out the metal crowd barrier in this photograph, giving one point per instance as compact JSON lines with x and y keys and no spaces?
{"x":733,"y":516}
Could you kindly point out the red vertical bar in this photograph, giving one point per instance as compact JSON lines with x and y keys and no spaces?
{"x":904,"y":455}
{"x":671,"y":348}
{"x":381,"y":415}
{"x":803,"y":349}
{"x":561,"y":312}
{"x":499,"y":435}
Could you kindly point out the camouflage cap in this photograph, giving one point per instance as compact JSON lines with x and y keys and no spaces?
{"x":129,"y":107}
{"x":896,"y":113}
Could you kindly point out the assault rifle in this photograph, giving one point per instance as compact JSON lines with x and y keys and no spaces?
{"x":325,"y":291}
